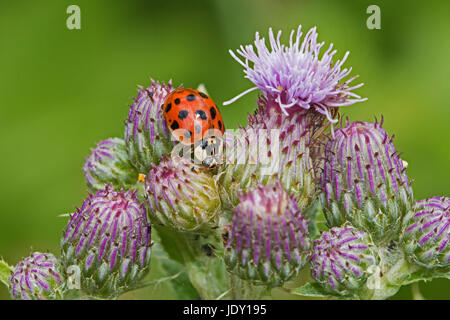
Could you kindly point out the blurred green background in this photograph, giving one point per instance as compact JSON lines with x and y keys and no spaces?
{"x":63,"y":90}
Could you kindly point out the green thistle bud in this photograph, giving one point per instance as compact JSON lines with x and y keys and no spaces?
{"x":267,"y":242}
{"x":275,"y":150}
{"x":342,"y":260}
{"x":146,"y":133}
{"x":109,"y":163}
{"x":426,"y":233}
{"x":364,"y":181}
{"x":182,"y":196}
{"x":109,"y":240}
{"x":37,"y":277}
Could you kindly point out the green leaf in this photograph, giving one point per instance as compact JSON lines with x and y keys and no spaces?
{"x":5,"y":271}
{"x":311,"y":290}
{"x":173,"y":273}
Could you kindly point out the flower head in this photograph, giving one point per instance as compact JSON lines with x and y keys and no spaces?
{"x":182,"y":195}
{"x":109,"y":163}
{"x":342,"y":259}
{"x":364,"y":180}
{"x":426,"y":233}
{"x":37,"y":277}
{"x":296,"y":76}
{"x":267,"y":241}
{"x":275,"y":150}
{"x":146,"y":132}
{"x":109,"y":239}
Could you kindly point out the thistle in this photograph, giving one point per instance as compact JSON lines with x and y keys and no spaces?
{"x":364,"y":181}
{"x":37,"y":277}
{"x":109,"y":163}
{"x":108,"y":238}
{"x":295,"y":76}
{"x":182,"y":196}
{"x":267,"y":242}
{"x":276,"y":150}
{"x":342,"y":259}
{"x":426,"y":233}
{"x":146,"y":133}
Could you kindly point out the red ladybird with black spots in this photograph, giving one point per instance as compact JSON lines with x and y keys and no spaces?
{"x":195,"y":120}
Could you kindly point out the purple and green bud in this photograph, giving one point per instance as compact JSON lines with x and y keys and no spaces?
{"x":426,"y":233}
{"x":109,"y":239}
{"x":275,"y":150}
{"x":364,"y":181}
{"x":343,"y":258}
{"x":146,"y":133}
{"x":182,"y":195}
{"x":109,"y":163}
{"x":37,"y":277}
{"x":267,"y":242}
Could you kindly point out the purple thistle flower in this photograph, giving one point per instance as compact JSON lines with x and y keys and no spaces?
{"x":37,"y":277}
{"x":109,"y":163}
{"x":146,"y":132}
{"x":341,"y":259}
{"x":277,"y":149}
{"x":181,"y":195}
{"x":109,"y":238}
{"x":364,"y":180}
{"x":426,"y":233}
{"x":296,"y":76}
{"x":267,"y":242}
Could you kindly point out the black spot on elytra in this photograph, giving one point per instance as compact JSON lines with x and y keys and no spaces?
{"x":177,"y":101}
{"x":213,"y":112}
{"x":168,"y":107}
{"x":183,"y":114}
{"x":188,"y":133}
{"x":201,"y":114}
{"x":220,"y":125}
{"x":190,"y":97}
{"x":174,"y":125}
{"x":198,"y":129}
{"x":203,"y":95}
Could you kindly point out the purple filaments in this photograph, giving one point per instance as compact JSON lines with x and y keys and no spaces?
{"x":268,"y":226}
{"x":339,"y":255}
{"x":35,"y":276}
{"x":361,"y":159}
{"x":429,"y":225}
{"x":146,"y":113}
{"x":110,"y":226}
{"x":296,"y":76}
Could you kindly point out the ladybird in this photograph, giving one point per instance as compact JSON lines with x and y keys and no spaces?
{"x":194,"y":119}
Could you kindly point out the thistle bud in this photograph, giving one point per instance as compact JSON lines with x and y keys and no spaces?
{"x":37,"y":277}
{"x":146,"y":133}
{"x":267,"y":242}
{"x":364,"y":181}
{"x":426,"y":233}
{"x":275,"y":150}
{"x":109,"y":163}
{"x":182,"y":196}
{"x":342,"y":259}
{"x":109,"y":240}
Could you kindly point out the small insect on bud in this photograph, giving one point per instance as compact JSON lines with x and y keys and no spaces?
{"x":109,"y":239}
{"x":267,"y":242}
{"x":37,"y":277}
{"x":342,"y":259}
{"x":426,"y":233}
